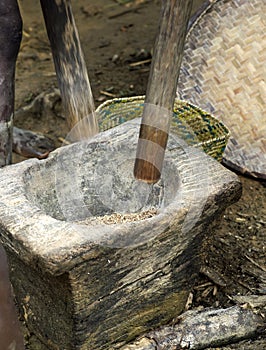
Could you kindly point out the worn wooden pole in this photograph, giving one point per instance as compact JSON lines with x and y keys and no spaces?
{"x":10,"y":38}
{"x":70,"y":68}
{"x":161,"y":89}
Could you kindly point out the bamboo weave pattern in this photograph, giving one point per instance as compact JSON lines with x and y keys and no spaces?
{"x":223,"y":72}
{"x":189,"y":123}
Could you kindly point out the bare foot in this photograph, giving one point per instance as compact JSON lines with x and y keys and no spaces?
{"x":30,"y":144}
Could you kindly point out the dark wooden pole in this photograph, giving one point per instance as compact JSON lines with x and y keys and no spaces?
{"x":10,"y":38}
{"x":70,"y":67}
{"x":161,"y":89}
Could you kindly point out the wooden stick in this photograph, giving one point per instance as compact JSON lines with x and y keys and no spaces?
{"x":10,"y":38}
{"x":161,"y":89}
{"x":200,"y":329}
{"x":70,"y":68}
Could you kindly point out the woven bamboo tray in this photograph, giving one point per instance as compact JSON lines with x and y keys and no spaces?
{"x":190,"y":123}
{"x":223,"y":72}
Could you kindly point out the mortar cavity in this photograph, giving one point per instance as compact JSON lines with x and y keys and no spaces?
{"x":93,"y":183}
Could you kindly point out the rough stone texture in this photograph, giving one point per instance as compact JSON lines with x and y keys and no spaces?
{"x":95,"y":286}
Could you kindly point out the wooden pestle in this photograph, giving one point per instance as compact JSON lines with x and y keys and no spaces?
{"x":70,"y":68}
{"x":161,"y":89}
{"x":10,"y":38}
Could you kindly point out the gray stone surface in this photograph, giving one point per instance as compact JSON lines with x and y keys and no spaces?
{"x":98,"y":283}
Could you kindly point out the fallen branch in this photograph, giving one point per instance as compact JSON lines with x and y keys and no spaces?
{"x":139,"y":63}
{"x":201,"y":329}
{"x":106,"y":93}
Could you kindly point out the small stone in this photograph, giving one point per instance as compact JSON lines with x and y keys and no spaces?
{"x":115,"y":58}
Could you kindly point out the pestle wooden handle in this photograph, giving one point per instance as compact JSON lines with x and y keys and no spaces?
{"x":161,"y":90}
{"x":70,"y":68}
{"x":10,"y":38}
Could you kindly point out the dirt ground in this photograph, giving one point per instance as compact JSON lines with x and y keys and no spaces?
{"x":113,"y":36}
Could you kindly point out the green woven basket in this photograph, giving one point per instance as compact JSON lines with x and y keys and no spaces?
{"x":190,"y":123}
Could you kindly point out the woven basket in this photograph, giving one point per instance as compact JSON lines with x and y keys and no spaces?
{"x":223,"y":72}
{"x":190,"y":123}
